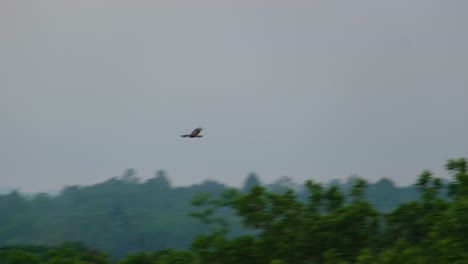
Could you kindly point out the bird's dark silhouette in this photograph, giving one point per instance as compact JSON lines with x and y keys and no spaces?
{"x":195,"y":133}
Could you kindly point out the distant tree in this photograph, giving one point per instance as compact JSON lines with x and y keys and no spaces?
{"x":458,"y":168}
{"x":160,"y":181}
{"x":413,"y":221}
{"x":129,"y":176}
{"x":282,"y":185}
{"x":251,"y":181}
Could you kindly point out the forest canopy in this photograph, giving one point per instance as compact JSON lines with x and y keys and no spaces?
{"x":124,"y":220}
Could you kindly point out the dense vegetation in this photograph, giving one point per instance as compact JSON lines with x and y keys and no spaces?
{"x":309,"y":224}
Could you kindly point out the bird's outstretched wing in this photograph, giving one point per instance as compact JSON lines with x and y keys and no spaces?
{"x":195,"y":132}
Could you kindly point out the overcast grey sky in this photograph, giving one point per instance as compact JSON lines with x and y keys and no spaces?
{"x":313,"y":89}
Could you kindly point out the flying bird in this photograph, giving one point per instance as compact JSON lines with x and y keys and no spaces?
{"x":195,"y":133}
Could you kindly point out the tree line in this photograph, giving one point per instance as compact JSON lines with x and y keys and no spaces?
{"x":312,"y":223}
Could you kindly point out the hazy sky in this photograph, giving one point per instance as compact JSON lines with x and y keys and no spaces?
{"x":316,"y":89}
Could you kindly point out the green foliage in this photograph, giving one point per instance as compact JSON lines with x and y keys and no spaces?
{"x":365,"y":257}
{"x":282,"y":223}
{"x":125,"y":214}
{"x":276,"y":261}
{"x":167,"y":256}
{"x":119,"y":216}
{"x":458,"y":168}
{"x":331,"y":227}
{"x":18,"y":257}
{"x":137,"y":258}
{"x":67,"y":253}
{"x":294,"y":231}
{"x":402,"y":252}
{"x":332,"y":256}
{"x":177,"y":257}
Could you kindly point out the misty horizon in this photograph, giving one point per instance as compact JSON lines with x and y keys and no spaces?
{"x":142,"y":180}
